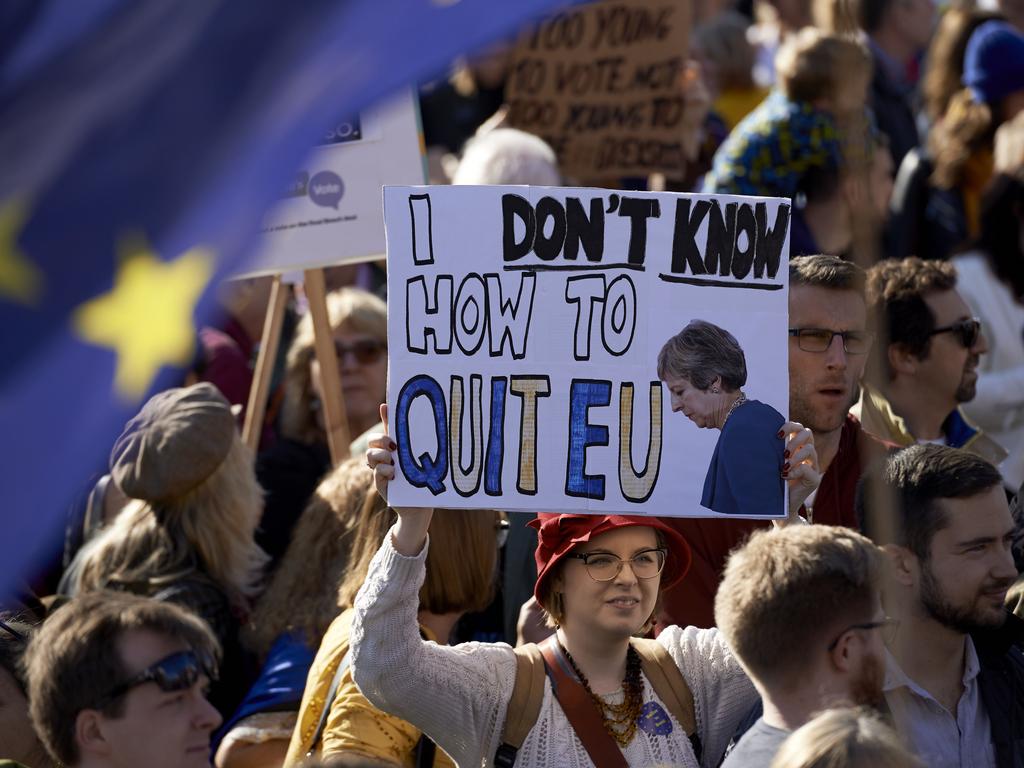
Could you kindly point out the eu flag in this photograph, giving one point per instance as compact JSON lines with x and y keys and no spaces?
{"x":140,"y":143}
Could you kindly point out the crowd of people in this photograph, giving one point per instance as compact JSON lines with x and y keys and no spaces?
{"x":212,"y":604}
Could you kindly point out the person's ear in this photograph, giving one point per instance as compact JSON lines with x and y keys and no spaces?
{"x":853,"y":188}
{"x":902,"y":564}
{"x":716,"y":385}
{"x":89,"y":733}
{"x":844,"y":655}
{"x":902,"y":360}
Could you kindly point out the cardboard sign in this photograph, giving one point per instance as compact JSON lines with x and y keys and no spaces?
{"x":331,"y":213}
{"x":525,"y":326}
{"x":603,"y":85}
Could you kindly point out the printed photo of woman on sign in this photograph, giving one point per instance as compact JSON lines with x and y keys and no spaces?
{"x":704,"y":368}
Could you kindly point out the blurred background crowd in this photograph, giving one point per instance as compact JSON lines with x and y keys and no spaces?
{"x":895,"y":127}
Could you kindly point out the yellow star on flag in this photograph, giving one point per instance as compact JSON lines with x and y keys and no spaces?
{"x":20,"y":280}
{"x":147,"y":317}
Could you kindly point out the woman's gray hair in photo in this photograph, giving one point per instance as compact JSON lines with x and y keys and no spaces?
{"x":699,"y":353}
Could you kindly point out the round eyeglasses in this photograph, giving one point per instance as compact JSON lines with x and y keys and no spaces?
{"x":603,"y":566}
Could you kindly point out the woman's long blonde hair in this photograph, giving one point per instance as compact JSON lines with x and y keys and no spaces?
{"x":302,"y":595}
{"x":211,"y":528}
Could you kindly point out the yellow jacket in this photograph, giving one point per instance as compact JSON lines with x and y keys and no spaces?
{"x":877,"y":417}
{"x":354,"y":725}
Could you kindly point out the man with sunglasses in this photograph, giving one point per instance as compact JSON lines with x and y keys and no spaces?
{"x":120,"y":680}
{"x":800,"y":608}
{"x":915,"y":384}
{"x":955,"y":671}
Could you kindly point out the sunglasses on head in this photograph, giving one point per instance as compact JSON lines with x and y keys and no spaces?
{"x":12,"y":631}
{"x":966,"y":331}
{"x":365,"y":351}
{"x":177,"y":672}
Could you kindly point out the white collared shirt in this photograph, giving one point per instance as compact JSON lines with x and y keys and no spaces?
{"x":940,"y":738}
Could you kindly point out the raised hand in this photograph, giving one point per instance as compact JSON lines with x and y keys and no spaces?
{"x":801,"y":469}
{"x":413,"y":522}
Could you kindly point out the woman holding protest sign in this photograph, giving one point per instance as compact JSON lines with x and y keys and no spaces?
{"x":704,"y":368}
{"x":675,"y":700}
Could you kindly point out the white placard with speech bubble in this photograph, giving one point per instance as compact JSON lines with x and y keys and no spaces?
{"x":331,"y":212}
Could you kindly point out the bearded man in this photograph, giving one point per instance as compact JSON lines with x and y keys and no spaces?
{"x":954,"y":678}
{"x":928,"y":366}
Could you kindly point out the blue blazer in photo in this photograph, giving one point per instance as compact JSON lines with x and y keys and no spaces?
{"x":745,"y":475}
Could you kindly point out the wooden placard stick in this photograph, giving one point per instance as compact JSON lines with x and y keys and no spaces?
{"x":333,"y":402}
{"x":256,"y":408}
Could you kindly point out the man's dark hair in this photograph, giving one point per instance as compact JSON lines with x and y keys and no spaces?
{"x":895,"y":293}
{"x":871,"y":13}
{"x":819,"y":184}
{"x":913,"y":480}
{"x":73,"y":659}
{"x":823,"y":271}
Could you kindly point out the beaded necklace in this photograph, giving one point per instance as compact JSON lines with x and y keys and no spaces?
{"x":735,"y":404}
{"x":620,"y":720}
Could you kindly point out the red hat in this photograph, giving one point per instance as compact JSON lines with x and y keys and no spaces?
{"x":558,"y":535}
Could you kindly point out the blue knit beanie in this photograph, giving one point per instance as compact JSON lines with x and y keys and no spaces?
{"x":994,"y":62}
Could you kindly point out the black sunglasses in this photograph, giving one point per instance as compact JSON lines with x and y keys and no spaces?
{"x":967,"y":330}
{"x":177,"y":672}
{"x":12,"y":631}
{"x":365,"y":351}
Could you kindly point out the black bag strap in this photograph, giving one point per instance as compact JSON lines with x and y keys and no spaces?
{"x":332,"y":693}
{"x":425,"y":748}
{"x":424,"y":753}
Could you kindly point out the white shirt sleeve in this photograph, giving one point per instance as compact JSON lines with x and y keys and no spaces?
{"x":722,"y":692}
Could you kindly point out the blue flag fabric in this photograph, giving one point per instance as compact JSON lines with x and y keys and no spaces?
{"x":141,"y":143}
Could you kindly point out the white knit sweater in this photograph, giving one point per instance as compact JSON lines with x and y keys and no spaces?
{"x":458,"y":695}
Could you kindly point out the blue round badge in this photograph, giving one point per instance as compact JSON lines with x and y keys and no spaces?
{"x":655,"y":720}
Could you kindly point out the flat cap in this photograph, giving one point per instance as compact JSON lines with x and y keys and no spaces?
{"x":179,"y":438}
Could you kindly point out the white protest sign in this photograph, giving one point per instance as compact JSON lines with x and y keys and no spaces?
{"x":525,"y":326}
{"x":331,"y":213}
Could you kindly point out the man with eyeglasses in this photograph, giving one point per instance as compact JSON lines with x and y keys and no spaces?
{"x":912,"y":391}
{"x":800,"y":609}
{"x":828,"y":347}
{"x":829,"y":344}
{"x":120,"y":680}
{"x":955,"y":672}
